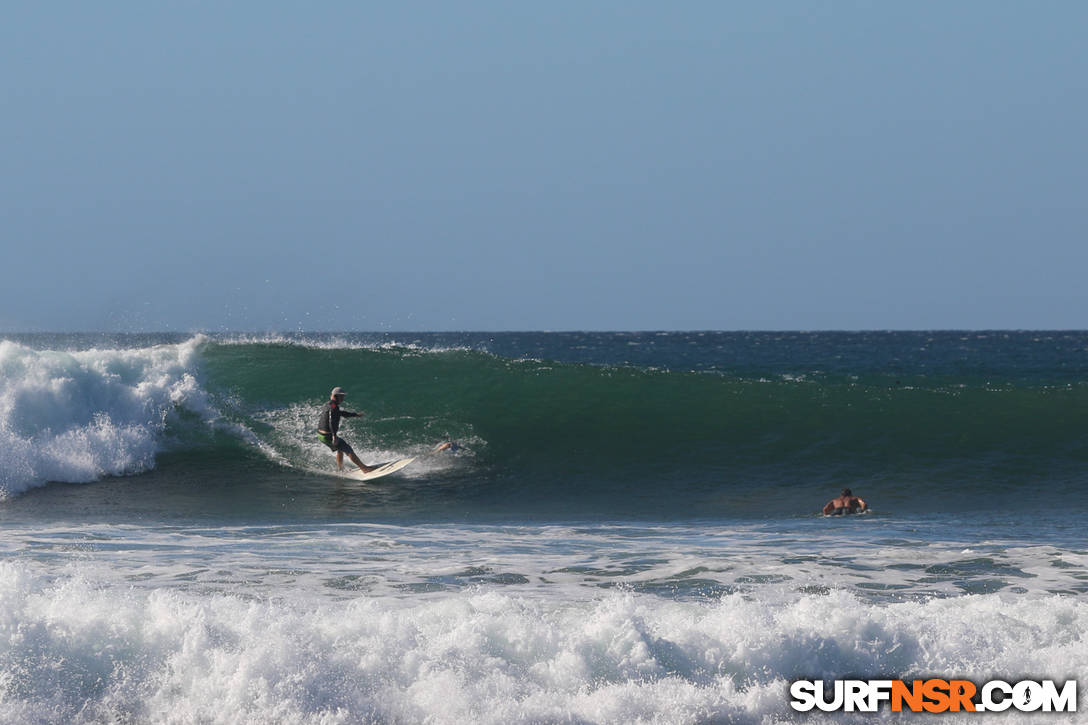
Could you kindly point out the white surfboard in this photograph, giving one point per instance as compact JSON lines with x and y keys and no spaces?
{"x":383,"y":470}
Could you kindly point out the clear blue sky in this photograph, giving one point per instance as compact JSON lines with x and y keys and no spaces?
{"x":500,"y":165}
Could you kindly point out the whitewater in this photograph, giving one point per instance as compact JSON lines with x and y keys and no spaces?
{"x":629,"y":532}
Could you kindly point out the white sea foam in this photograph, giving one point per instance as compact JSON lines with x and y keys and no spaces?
{"x":75,"y":647}
{"x":493,"y":624}
{"x":77,"y":416}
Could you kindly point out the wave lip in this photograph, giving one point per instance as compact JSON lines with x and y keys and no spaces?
{"x":77,"y":416}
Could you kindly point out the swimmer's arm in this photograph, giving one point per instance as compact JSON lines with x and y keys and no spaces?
{"x":829,"y":507}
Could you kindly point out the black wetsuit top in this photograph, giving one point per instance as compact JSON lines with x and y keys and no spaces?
{"x":331,"y":415}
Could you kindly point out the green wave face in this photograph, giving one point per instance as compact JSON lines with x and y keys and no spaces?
{"x":638,"y":424}
{"x":540,"y":429}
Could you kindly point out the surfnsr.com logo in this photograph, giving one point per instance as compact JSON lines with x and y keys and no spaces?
{"x":934,"y":696}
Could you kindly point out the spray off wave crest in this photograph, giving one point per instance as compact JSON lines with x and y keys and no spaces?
{"x":77,"y":416}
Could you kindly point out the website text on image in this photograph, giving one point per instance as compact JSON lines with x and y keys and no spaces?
{"x":934,"y":696}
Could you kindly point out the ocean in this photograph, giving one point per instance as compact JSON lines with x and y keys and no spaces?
{"x":629,"y":531}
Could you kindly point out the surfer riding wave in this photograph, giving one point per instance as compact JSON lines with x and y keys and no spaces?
{"x":329,"y":425}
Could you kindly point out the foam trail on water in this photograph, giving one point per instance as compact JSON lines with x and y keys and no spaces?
{"x":78,"y":416}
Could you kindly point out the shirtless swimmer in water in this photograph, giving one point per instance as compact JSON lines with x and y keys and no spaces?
{"x":847,"y":503}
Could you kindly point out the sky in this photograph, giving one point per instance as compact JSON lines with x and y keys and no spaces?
{"x":561,"y":165}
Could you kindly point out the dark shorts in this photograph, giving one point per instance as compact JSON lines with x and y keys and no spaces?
{"x":341,"y":444}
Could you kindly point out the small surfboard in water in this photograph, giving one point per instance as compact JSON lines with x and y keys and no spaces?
{"x":383,"y":470}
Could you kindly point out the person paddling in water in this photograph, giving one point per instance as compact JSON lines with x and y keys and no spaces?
{"x":329,"y":425}
{"x":847,"y":503}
